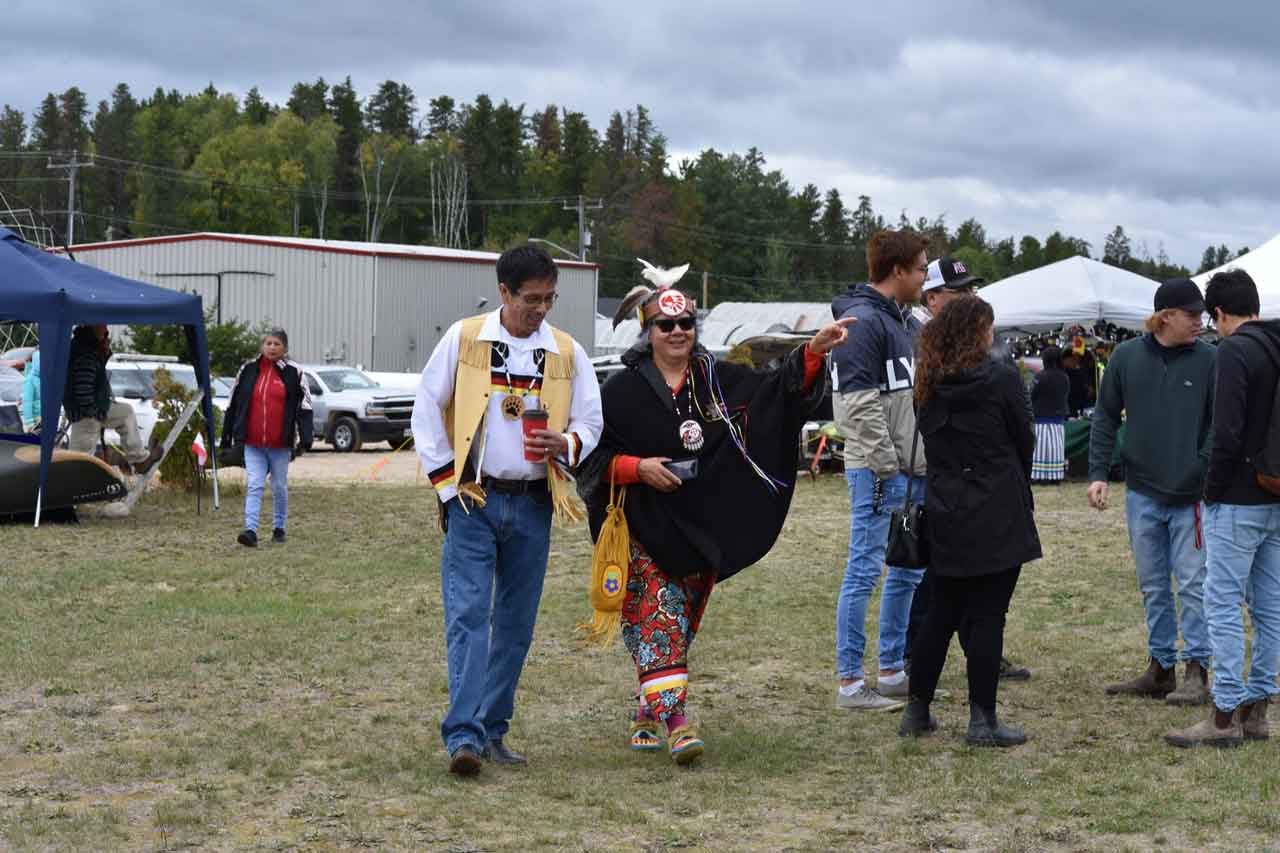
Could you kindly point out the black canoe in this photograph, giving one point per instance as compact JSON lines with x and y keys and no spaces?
{"x":74,"y":478}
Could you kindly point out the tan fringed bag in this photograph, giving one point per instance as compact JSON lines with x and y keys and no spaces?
{"x":609,"y":562}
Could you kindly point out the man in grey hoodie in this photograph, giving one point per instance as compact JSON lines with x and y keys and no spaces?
{"x":873,"y":373}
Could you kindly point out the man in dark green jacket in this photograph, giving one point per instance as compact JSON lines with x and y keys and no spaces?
{"x":90,"y":409}
{"x":1162,"y":383}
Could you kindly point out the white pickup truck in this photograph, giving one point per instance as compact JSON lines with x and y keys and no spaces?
{"x":132,"y":378}
{"x":349,"y":408}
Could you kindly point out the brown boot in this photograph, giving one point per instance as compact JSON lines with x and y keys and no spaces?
{"x":1156,"y":682}
{"x":153,"y":457}
{"x":1221,"y":729}
{"x":1194,"y":689}
{"x":1253,"y":720}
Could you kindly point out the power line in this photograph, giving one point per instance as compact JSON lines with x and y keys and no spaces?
{"x":177,"y":229}
{"x":570,"y":203}
{"x":196,"y":177}
{"x":193,"y":176}
{"x":72,"y":167}
{"x":732,"y":236}
{"x":750,"y":279}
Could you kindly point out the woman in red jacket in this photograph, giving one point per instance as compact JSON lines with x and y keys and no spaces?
{"x":270,"y":413}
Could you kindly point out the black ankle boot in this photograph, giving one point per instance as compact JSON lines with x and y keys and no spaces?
{"x":916,"y":719}
{"x":986,"y":730}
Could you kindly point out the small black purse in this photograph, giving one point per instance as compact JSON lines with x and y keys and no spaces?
{"x":231,"y":455}
{"x":908,"y":545}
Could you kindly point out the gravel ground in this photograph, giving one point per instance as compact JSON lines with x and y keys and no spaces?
{"x":322,"y":464}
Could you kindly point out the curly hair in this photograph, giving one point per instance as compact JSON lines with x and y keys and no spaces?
{"x":951,"y":343}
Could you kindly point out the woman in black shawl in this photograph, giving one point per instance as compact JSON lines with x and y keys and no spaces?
{"x":709,"y":450}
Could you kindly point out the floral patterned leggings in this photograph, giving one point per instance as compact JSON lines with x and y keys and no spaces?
{"x":660,"y":616}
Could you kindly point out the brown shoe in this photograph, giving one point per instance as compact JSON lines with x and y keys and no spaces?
{"x":1221,"y":729}
{"x":1253,"y":720}
{"x":1194,"y":689}
{"x":152,"y":458}
{"x":1156,"y":682}
{"x":464,"y":762}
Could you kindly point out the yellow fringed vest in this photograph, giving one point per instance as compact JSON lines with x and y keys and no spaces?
{"x":464,"y":416}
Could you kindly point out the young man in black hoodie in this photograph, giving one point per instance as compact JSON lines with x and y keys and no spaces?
{"x":1242,"y":520}
{"x":1163,"y":384}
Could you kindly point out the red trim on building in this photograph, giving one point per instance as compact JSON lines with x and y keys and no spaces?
{"x":285,"y":243}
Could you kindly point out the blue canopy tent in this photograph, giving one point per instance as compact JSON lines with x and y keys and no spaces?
{"x":58,"y":294}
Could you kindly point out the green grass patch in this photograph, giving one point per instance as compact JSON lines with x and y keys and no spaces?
{"x":163,"y":688}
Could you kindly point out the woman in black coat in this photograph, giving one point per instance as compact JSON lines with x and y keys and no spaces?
{"x":1049,"y":405}
{"x":978,"y":440}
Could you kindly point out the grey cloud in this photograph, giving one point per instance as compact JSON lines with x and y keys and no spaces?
{"x":1065,"y":115}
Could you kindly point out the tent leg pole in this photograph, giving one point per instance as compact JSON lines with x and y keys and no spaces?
{"x":214,"y":459}
{"x":39,"y":501}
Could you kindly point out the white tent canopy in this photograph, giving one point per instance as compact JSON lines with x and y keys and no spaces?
{"x":727,"y":324}
{"x":1263,"y":266}
{"x":1073,"y":291}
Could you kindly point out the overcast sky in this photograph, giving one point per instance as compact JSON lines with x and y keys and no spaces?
{"x":1031,"y":116}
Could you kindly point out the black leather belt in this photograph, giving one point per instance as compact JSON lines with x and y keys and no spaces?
{"x":514,"y":487}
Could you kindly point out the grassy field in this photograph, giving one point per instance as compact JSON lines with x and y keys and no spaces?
{"x":163,"y":688}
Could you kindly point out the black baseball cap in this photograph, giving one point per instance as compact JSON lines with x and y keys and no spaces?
{"x":1179,"y":293}
{"x":950,"y":274}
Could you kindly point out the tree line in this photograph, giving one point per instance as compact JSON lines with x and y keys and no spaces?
{"x":333,"y":164}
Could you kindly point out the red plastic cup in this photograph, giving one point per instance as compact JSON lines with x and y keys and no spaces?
{"x":530,"y":420}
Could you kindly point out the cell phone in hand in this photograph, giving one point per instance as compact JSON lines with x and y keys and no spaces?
{"x":685,"y":469}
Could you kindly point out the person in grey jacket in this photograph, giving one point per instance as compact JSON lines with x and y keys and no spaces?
{"x":873,"y":375}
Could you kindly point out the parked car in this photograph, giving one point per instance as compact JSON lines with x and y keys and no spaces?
{"x":222,"y":387}
{"x":350,"y":408}
{"x":16,"y":358}
{"x":132,"y":379}
{"x":607,"y":365}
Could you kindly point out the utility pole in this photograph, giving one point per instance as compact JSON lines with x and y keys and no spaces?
{"x":71,"y":168}
{"x":582,"y":206}
{"x":706,"y":305}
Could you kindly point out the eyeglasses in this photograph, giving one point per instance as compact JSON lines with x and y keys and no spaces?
{"x":668,"y":325}
{"x":534,"y":301}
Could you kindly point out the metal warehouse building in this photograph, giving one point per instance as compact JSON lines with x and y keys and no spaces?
{"x":379,"y":305}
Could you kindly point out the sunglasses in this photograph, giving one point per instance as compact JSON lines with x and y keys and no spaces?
{"x":667,"y":325}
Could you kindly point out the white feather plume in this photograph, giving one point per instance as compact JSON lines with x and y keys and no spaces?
{"x":661,"y":277}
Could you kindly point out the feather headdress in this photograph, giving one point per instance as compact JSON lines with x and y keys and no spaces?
{"x":635,"y":300}
{"x":662,"y":278}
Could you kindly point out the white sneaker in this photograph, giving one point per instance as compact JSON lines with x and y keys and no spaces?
{"x":865,"y":698}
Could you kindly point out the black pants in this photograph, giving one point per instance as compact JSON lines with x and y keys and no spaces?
{"x":982,"y":603}
{"x":920,"y":608}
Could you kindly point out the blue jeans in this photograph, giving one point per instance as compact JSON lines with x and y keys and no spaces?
{"x":868,"y":536}
{"x":1163,"y":539}
{"x":491,"y":573}
{"x":1244,"y":565}
{"x":258,"y":462}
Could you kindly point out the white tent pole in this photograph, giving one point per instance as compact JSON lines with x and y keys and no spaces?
{"x":213,"y":458}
